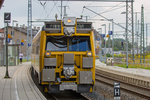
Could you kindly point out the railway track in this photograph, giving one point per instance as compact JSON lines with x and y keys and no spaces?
{"x":136,"y":85}
{"x":67,"y":95}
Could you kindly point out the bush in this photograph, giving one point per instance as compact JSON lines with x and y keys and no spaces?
{"x":119,"y":55}
{"x":108,"y":55}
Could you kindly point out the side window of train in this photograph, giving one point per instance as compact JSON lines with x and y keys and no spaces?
{"x":37,"y":50}
{"x":33,"y":49}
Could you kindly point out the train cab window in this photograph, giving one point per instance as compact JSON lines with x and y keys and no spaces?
{"x":56,"y":43}
{"x":76,"y":43}
{"x":79,"y":43}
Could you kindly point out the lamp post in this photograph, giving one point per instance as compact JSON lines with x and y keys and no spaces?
{"x":105,"y":41}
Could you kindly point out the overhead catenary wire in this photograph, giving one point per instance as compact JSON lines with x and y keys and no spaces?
{"x":112,"y":9}
{"x":106,"y":18}
{"x":109,"y":9}
{"x":43,"y":4}
{"x":55,"y":3}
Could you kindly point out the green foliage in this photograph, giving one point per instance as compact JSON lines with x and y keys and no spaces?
{"x":132,"y":66}
{"x":117,"y":44}
{"x":119,"y":55}
{"x":25,"y":60}
{"x":108,"y":55}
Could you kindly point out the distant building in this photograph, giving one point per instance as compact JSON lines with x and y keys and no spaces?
{"x":1,"y":38}
{"x":1,"y":3}
{"x":121,"y":52}
{"x":107,"y":50}
{"x":1,"y":46}
{"x":20,"y":34}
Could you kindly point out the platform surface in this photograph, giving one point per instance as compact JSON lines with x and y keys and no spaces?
{"x":20,"y":86}
{"x":134,"y":71}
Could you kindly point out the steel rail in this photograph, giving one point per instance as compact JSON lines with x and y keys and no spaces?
{"x":127,"y":83}
{"x":55,"y":96}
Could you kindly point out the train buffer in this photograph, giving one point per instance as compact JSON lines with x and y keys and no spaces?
{"x":20,"y":86}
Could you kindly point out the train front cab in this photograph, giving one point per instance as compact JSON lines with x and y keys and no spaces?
{"x":67,"y":61}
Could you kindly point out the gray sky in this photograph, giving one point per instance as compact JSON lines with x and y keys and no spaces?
{"x":18,"y":9}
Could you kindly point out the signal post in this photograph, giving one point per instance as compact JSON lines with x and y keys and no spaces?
{"x":7,"y":19}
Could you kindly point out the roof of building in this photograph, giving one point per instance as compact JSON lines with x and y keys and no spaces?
{"x":1,"y":31}
{"x":1,"y":3}
{"x":24,"y":30}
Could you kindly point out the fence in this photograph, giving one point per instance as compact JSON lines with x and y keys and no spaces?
{"x":137,"y":63}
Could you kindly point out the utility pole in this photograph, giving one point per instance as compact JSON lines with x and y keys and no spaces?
{"x":126,"y":30}
{"x":7,"y":19}
{"x":132,"y":16}
{"x":29,"y":29}
{"x":146,"y":36}
{"x":20,"y":38}
{"x":105,"y":41}
{"x":109,"y":37}
{"x":136,"y":31}
{"x":113,"y":39}
{"x":142,"y":35}
{"x":65,"y":11}
{"x":61,"y":10}
{"x":100,"y":44}
{"x":86,"y":18}
{"x":138,"y":37}
{"x":7,"y":74}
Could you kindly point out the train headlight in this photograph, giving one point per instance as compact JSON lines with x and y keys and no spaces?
{"x":69,"y":20}
{"x":48,"y":53}
{"x":89,"y":53}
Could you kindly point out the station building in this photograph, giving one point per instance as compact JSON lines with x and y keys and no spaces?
{"x":1,"y":46}
{"x":15,"y":47}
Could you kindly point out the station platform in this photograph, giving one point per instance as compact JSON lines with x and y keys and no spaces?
{"x":133,"y":71}
{"x":20,"y":86}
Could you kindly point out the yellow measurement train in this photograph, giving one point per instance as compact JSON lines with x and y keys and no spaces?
{"x":63,"y":56}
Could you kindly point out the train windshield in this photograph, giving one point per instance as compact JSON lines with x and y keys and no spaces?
{"x":79,"y":43}
{"x":76,"y":43}
{"x":56,"y":43}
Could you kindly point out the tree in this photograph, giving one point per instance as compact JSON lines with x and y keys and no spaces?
{"x":119,"y":44}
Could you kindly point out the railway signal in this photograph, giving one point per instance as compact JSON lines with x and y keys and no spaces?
{"x":116,"y":91}
{"x":110,"y":32}
{"x":107,"y":36}
{"x":22,"y":42}
{"x":7,"y":19}
{"x":122,"y":44}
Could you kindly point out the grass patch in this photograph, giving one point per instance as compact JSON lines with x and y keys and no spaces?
{"x":142,"y":66}
{"x":25,"y":60}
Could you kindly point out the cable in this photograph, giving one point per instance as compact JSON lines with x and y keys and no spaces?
{"x":55,"y":3}
{"x":43,"y":4}
{"x":109,"y":9}
{"x":112,"y":10}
